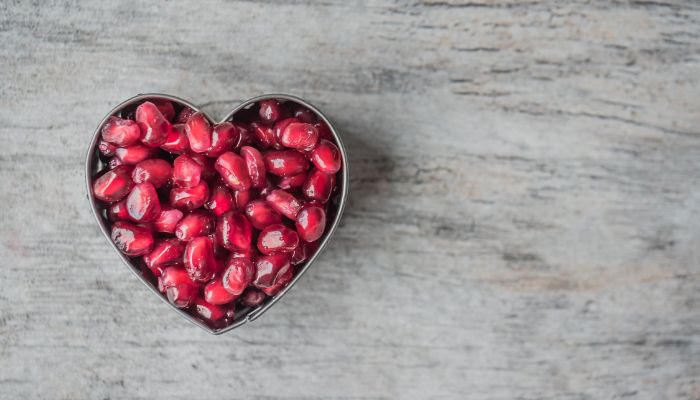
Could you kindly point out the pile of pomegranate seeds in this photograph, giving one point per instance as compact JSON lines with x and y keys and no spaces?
{"x":219,"y":217}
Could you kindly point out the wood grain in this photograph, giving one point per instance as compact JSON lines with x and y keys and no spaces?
{"x":524,"y":215}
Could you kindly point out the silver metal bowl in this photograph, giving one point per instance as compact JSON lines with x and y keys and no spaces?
{"x":93,"y":165}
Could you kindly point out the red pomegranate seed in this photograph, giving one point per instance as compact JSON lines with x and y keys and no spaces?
{"x":326,"y":157}
{"x":208,"y":312}
{"x":208,"y":171}
{"x":252,"y":297}
{"x":134,"y":154}
{"x":269,"y":269}
{"x":142,"y":203}
{"x":280,"y":284}
{"x":318,"y":186}
{"x":176,"y":141}
{"x":165,"y":252}
{"x":106,"y":149}
{"x":300,"y":136}
{"x":284,"y":203}
{"x":179,"y":288}
{"x":277,"y":238}
{"x":215,"y":293}
{"x":186,"y":171}
{"x":264,"y":135}
{"x":184,"y":115}
{"x":165,"y":107}
{"x":256,"y":166}
{"x":114,"y":162}
{"x":233,"y":231}
{"x":324,"y":132}
{"x":261,"y":214}
{"x":310,"y":223}
{"x":233,"y":170}
{"x":167,"y":220}
{"x":121,"y":132}
{"x":270,"y":111}
{"x":220,"y":200}
{"x":117,"y":211}
{"x":189,"y":198}
{"x":285,"y":162}
{"x":280,"y":127}
{"x":154,"y":126}
{"x":245,"y":134}
{"x":113,"y":185}
{"x":292,"y":182}
{"x":300,"y":254}
{"x":241,"y":198}
{"x":199,"y":132}
{"x":200,"y":262}
{"x":196,"y":223}
{"x":155,"y":171}
{"x":304,"y":115}
{"x":239,"y":273}
{"x":224,"y":137}
{"x":132,"y":240}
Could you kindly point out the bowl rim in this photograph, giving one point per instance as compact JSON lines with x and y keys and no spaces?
{"x":91,"y":169}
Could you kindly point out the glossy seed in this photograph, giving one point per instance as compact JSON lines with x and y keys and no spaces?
{"x":155,"y":171}
{"x":223,"y":138}
{"x":233,"y":231}
{"x":196,"y":223}
{"x":215,"y":293}
{"x":142,"y":204}
{"x":176,"y":141}
{"x":233,"y":170}
{"x":261,"y":214}
{"x":189,"y":198}
{"x":167,"y":219}
{"x":318,"y":186}
{"x":300,"y":136}
{"x":220,"y":200}
{"x":285,"y":162}
{"x":186,"y":171}
{"x":120,"y":132}
{"x":277,"y":238}
{"x":255,"y":165}
{"x":132,"y":240}
{"x":326,"y":157}
{"x":269,"y":269}
{"x":200,"y":263}
{"x":310,"y":223}
{"x":199,"y":132}
{"x":166,"y":252}
{"x":154,"y":126}
{"x":284,"y":203}
{"x":239,"y":273}
{"x":134,"y":154}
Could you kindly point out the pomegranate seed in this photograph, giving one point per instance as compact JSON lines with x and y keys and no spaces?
{"x":132,"y":240}
{"x":198,"y":131}
{"x":134,"y":154}
{"x":113,"y":185}
{"x":233,"y":231}
{"x":256,"y":166}
{"x":233,"y":170}
{"x":304,"y":115}
{"x":326,"y":157}
{"x":208,"y":312}
{"x":300,"y":136}
{"x":261,"y":214}
{"x":117,"y":211}
{"x":142,"y":203}
{"x":324,"y":132}
{"x":106,"y":149}
{"x":318,"y":186}
{"x":121,"y":132}
{"x":189,"y":198}
{"x":277,"y":238}
{"x":165,"y":252}
{"x":241,"y":198}
{"x":280,"y":284}
{"x":184,"y":115}
{"x":239,"y":273}
{"x":270,"y":111}
{"x":285,"y":162}
{"x":292,"y":182}
{"x":114,"y":162}
{"x":301,"y":253}
{"x":167,"y":220}
{"x":154,"y":126}
{"x":224,"y":137}
{"x":176,"y":141}
{"x":165,"y":107}
{"x":264,"y":135}
{"x":252,"y":297}
{"x":200,"y":263}
{"x":246,"y":135}
{"x":269,"y":269}
{"x":155,"y":171}
{"x":179,"y":288}
{"x":311,"y":222}
{"x":284,"y":203}
{"x":219,"y":201}
{"x":186,"y":171}
{"x":197,"y":223}
{"x":269,"y":187}
{"x":208,"y":171}
{"x":215,"y":293}
{"x":280,"y":126}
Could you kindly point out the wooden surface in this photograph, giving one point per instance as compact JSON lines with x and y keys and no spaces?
{"x":524,"y":214}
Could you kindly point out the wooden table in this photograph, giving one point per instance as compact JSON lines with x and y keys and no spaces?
{"x":524,"y":215}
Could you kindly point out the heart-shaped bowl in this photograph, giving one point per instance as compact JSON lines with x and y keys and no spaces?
{"x":94,"y":164}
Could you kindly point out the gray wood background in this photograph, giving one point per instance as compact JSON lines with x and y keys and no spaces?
{"x":524,"y":216}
